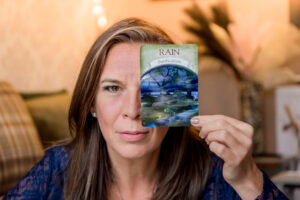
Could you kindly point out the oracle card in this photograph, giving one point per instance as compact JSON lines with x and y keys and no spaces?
{"x":169,"y":84}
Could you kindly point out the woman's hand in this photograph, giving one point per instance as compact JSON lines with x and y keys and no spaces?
{"x":231,"y":140}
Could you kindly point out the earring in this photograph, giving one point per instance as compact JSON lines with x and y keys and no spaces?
{"x":94,"y":114}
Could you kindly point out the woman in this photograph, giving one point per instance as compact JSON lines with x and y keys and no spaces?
{"x":113,"y":157}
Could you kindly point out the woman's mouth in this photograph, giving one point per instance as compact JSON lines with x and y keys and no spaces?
{"x":132,"y":136}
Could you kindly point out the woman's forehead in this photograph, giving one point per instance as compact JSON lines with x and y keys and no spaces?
{"x":123,"y":62}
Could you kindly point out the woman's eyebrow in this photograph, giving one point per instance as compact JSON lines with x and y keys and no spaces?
{"x":111,"y":81}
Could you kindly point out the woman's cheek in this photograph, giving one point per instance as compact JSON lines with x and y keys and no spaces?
{"x":109,"y":108}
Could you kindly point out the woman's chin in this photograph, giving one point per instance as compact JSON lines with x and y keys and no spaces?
{"x":133,"y":154}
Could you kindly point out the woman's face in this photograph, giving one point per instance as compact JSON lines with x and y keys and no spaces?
{"x":118,"y":105}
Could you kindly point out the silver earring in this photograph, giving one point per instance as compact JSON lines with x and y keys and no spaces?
{"x":94,"y":114}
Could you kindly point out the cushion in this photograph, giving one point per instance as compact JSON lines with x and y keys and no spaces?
{"x":20,"y":145}
{"x":50,"y":115}
{"x":27,"y":96}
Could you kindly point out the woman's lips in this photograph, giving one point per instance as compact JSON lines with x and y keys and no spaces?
{"x":132,"y":136}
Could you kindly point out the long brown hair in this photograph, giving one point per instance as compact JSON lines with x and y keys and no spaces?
{"x":184,"y":160}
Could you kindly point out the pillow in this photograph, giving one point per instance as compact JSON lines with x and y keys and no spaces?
{"x":27,"y":96}
{"x":50,"y":115}
{"x":20,"y":146}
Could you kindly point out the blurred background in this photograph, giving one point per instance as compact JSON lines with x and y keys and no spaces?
{"x":249,"y":66}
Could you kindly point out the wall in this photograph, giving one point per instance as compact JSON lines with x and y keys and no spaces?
{"x":267,"y":10}
{"x":44,"y":42}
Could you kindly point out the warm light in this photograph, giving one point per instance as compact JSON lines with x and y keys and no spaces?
{"x":97,"y":10}
{"x":102,"y":21}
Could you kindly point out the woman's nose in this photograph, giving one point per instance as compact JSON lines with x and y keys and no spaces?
{"x":132,"y":105}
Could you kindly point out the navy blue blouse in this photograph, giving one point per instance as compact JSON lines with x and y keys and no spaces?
{"x":46,"y":180}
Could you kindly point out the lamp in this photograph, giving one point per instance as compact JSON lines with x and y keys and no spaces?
{"x":99,"y":11}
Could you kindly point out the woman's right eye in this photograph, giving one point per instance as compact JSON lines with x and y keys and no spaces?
{"x":112,"y":88}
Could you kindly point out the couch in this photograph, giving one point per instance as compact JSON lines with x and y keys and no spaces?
{"x":29,"y":124}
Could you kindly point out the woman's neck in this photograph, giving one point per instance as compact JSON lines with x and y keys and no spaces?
{"x":134,"y":178}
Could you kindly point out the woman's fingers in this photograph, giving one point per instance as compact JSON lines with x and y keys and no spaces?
{"x":223,"y":137}
{"x":242,"y":126}
{"x":238,"y":150}
{"x":232,"y":134}
{"x":226,"y":129}
{"x":222,"y":151}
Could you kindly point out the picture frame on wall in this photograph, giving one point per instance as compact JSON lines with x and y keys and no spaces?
{"x":282,"y":120}
{"x":287,"y":120}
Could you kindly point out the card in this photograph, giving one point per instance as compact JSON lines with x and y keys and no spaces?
{"x":169,"y":84}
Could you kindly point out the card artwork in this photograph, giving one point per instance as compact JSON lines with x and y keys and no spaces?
{"x":169,"y":84}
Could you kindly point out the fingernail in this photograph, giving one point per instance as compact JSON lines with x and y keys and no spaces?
{"x":195,"y":121}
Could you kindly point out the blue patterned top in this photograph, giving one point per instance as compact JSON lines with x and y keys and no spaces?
{"x":46,"y":180}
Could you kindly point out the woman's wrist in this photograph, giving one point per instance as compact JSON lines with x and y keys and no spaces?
{"x":251,"y":186}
